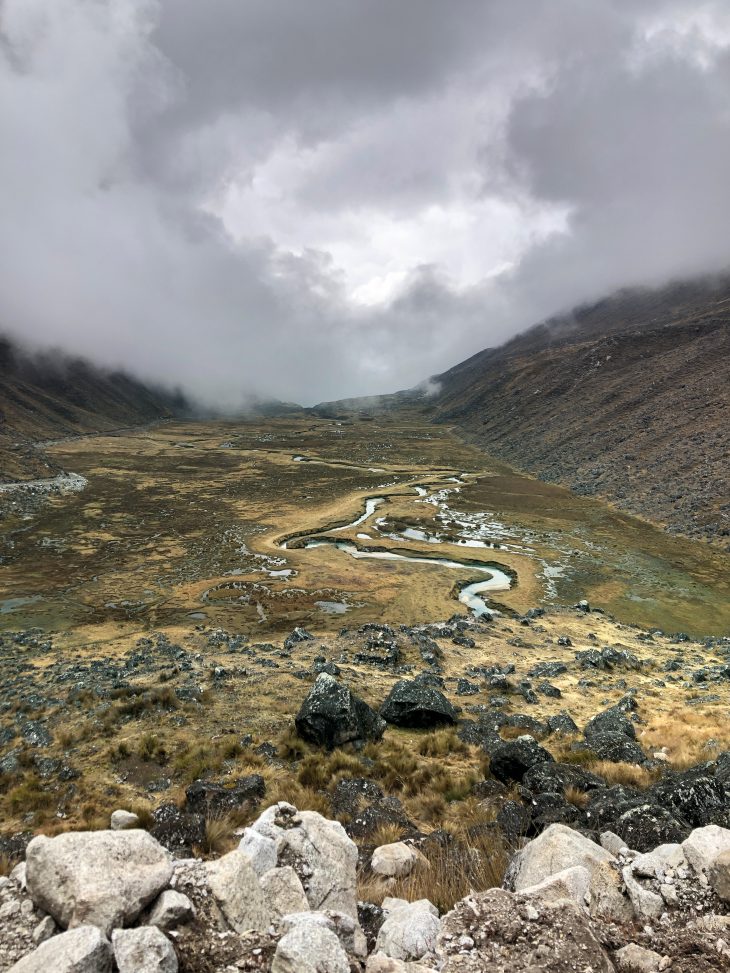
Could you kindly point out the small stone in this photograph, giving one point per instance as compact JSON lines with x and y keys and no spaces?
{"x":143,"y":950}
{"x":637,"y":959}
{"x":395,"y":860}
{"x":171,"y":909}
{"x":121,"y":820}
{"x":44,"y":930}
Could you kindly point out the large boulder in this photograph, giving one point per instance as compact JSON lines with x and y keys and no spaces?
{"x":283,"y":891}
{"x":332,"y":715}
{"x":611,"y":720}
{"x":704,"y":846}
{"x":648,"y":825}
{"x":214,"y":800}
{"x":511,"y":759}
{"x":81,"y":950}
{"x":694,"y":796}
{"x":178,"y":831}
{"x":556,"y":849}
{"x":615,"y":747}
{"x":99,"y":878}
{"x":320,"y":851}
{"x":412,"y":703}
{"x":551,"y":777}
{"x":238,"y":893}
{"x":310,"y":947}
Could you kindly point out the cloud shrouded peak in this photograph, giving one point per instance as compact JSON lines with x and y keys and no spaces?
{"x":313,"y":200}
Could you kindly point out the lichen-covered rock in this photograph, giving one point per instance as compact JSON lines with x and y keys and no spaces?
{"x":510,"y":760}
{"x":412,"y":703}
{"x":99,"y":878}
{"x":648,"y":825}
{"x":332,"y":715}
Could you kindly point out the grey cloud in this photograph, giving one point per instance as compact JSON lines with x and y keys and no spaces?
{"x":193,"y":190}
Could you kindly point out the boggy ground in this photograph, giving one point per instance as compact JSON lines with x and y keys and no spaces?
{"x":172,"y":513}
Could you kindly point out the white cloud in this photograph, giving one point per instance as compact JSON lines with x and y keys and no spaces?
{"x":315,"y":200}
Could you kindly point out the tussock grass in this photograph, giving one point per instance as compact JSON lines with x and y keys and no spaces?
{"x":576,"y":797}
{"x":6,"y":865}
{"x":439,"y":743}
{"x":630,"y":775}
{"x":452,"y":871}
{"x":686,"y":732}
{"x":219,"y":833}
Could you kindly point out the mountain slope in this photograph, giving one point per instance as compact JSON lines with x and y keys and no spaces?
{"x":628,"y":399}
{"x":44,"y":397}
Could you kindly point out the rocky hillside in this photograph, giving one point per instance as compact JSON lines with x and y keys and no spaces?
{"x":628,"y":399}
{"x":285,"y":900}
{"x":573,"y":813}
{"x":51,"y":397}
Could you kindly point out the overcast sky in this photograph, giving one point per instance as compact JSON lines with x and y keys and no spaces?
{"x":310,"y":199}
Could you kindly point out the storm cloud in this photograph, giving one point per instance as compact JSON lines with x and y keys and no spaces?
{"x":317,"y":199}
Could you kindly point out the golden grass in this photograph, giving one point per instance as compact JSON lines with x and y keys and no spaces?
{"x":576,"y":797}
{"x":630,"y":775}
{"x":219,"y":833}
{"x":686,"y":732}
{"x":452,"y":871}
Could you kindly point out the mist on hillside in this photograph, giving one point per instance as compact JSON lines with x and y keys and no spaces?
{"x":313,"y":201}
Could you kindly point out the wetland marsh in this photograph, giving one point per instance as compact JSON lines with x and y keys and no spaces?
{"x":257,"y":526}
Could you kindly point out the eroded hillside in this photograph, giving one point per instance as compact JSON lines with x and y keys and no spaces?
{"x":627,"y":399}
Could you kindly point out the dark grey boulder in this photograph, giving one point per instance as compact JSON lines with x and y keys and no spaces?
{"x":511,"y":759}
{"x":616,"y":747}
{"x":646,"y":826}
{"x":178,"y":831}
{"x":551,"y":808}
{"x":213,"y":800}
{"x":610,"y":721}
{"x":554,"y":777}
{"x":514,"y":820}
{"x":332,"y":715}
{"x":414,"y":704}
{"x":563,"y":723}
{"x":694,"y":796}
{"x":605,"y":807}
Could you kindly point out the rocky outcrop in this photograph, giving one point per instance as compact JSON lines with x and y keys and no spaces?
{"x":569,"y":903}
{"x":413,"y":703}
{"x":97,"y":878}
{"x":332,"y":715}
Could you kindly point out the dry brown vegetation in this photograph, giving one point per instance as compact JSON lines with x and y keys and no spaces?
{"x":451,"y":871}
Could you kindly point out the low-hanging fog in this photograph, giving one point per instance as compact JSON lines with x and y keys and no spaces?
{"x":328,"y":198}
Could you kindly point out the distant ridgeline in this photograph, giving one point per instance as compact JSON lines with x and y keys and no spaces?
{"x":627,"y":399}
{"x":48,"y":396}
